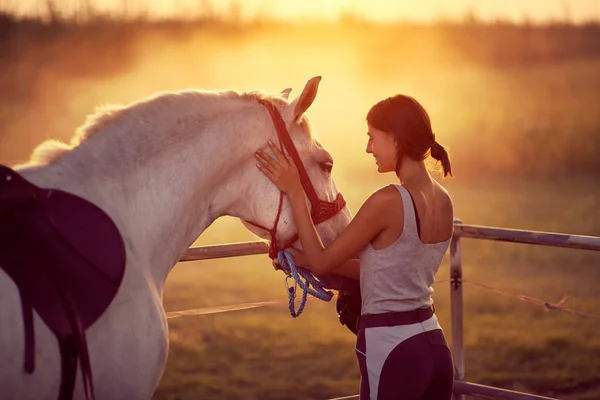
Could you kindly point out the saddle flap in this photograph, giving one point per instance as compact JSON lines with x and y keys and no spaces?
{"x":63,"y":252}
{"x":89,"y":231}
{"x":67,"y":258}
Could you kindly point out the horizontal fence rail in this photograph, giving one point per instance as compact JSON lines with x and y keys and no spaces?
{"x":474,"y":389}
{"x":466,"y":231}
{"x":225,"y":250}
{"x":528,"y":237}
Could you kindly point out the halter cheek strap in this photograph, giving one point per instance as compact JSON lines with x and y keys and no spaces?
{"x":321,"y":210}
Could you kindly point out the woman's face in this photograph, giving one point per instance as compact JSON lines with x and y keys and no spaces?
{"x":383,"y":147}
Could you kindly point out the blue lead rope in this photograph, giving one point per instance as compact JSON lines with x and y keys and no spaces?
{"x":287,"y":265}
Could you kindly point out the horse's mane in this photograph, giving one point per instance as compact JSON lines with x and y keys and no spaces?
{"x":107,"y":115}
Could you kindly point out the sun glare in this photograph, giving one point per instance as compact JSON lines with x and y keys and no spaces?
{"x":332,"y":10}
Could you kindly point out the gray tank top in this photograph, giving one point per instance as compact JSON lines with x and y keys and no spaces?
{"x":400,"y":276}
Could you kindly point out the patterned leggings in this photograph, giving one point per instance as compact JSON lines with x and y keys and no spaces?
{"x":418,"y":368}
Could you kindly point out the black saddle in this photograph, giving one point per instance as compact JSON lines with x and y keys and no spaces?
{"x":67,"y":258}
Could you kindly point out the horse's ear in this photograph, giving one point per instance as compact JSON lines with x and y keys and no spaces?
{"x":285,"y":93}
{"x":299,"y":106}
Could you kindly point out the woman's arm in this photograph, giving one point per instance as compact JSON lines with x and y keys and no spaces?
{"x":349,"y":269}
{"x":366,"y":225}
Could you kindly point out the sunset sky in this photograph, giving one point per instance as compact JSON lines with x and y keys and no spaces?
{"x":377,"y":10}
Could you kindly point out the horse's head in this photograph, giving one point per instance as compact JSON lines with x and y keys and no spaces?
{"x":261,"y":200}
{"x":166,"y":167}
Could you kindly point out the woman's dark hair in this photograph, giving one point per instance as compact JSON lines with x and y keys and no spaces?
{"x":403,"y":117}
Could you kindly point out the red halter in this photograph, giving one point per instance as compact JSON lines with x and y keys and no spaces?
{"x":321,"y":210}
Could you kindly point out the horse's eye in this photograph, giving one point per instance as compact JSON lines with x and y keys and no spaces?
{"x":327,"y":166}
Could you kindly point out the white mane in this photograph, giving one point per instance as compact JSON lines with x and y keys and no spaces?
{"x":128,"y":117}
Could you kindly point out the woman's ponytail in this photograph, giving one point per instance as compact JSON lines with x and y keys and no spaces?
{"x":440,"y":153}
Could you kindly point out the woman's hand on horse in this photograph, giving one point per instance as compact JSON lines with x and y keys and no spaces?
{"x":281,"y":170}
{"x":299,"y":257}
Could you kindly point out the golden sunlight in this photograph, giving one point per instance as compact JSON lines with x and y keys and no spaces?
{"x":332,"y":10}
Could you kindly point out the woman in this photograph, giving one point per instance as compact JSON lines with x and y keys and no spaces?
{"x":401,"y":234}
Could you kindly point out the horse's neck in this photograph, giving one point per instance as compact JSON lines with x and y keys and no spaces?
{"x":160,"y":200}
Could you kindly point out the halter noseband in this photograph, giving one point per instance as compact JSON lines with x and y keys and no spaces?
{"x":321,"y":210}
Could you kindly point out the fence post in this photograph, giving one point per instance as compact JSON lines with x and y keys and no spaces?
{"x":456,"y":309}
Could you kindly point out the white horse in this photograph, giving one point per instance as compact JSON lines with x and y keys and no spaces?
{"x":163,"y":169}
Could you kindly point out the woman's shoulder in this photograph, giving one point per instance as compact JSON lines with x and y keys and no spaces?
{"x":444,"y":198}
{"x":386,"y":192}
{"x":385,"y":196}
